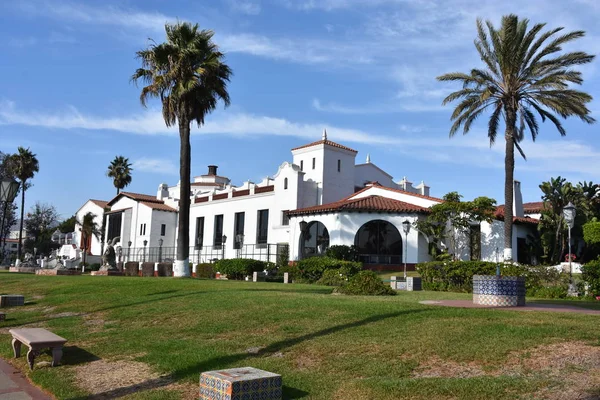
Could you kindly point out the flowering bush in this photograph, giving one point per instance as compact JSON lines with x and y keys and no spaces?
{"x":572,"y":256}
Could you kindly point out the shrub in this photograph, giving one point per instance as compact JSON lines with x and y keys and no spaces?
{"x":549,"y":292}
{"x":239,"y":268}
{"x":591,"y":232}
{"x":457,"y":276}
{"x":205,"y":270}
{"x":342,"y":252}
{"x":367,"y":283}
{"x":333,"y":277}
{"x":131,"y":268}
{"x":93,"y":267}
{"x":283,"y":256}
{"x":311,"y":269}
{"x":590,"y":273}
{"x":165,"y":269}
{"x":292,"y":271}
{"x":148,"y":269}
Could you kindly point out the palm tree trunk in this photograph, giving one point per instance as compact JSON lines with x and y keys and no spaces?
{"x":19,"y":249}
{"x":509,"y":169}
{"x":181,"y":267}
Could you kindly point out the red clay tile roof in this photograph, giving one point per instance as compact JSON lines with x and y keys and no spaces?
{"x":327,"y":142}
{"x":369,"y":203}
{"x":206,"y":184}
{"x":137,"y":197}
{"x":529,"y":208}
{"x":158,"y":206}
{"x":100,"y":203}
{"x":499,"y":214}
{"x":379,"y":185}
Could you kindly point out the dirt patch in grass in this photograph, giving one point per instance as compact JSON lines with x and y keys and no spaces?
{"x":111,"y":379}
{"x":572,"y":368}
{"x":435,"y":367}
{"x":65,"y":314}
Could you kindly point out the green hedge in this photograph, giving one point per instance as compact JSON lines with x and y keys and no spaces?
{"x":591,"y":232}
{"x":311,"y":269}
{"x":342,"y":252}
{"x":366,"y":283}
{"x":205,"y":270}
{"x":457,"y":276}
{"x":590,"y":273}
{"x":239,"y":268}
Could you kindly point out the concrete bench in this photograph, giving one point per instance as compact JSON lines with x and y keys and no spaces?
{"x":37,"y":339}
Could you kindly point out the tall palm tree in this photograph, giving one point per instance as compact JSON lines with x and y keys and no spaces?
{"x":188,"y":74}
{"x":522,"y":75}
{"x":120,"y":170}
{"x":24,"y":165}
{"x":89,"y":228}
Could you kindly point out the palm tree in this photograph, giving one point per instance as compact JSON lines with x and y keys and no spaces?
{"x":522,"y":76}
{"x":120,"y":170}
{"x":24,"y":165}
{"x":189,"y":75}
{"x":88,"y":229}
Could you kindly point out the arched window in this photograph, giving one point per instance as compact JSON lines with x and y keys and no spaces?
{"x":379,"y":242}
{"x":285,"y":183}
{"x":314,"y":240}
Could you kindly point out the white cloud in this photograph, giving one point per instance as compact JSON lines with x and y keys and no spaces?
{"x":416,"y":142}
{"x":245,"y":6}
{"x":155,"y":165}
{"x":21,"y":42}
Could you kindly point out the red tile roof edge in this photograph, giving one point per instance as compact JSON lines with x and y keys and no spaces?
{"x":326,"y":142}
{"x":342,"y":205}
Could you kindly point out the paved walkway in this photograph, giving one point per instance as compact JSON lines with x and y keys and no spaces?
{"x":530,"y":307}
{"x":14,"y":386}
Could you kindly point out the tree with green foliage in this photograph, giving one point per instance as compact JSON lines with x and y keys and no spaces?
{"x":524,"y":73}
{"x":8,"y":211}
{"x":24,"y":166}
{"x":189,"y":75}
{"x":68,"y":225}
{"x":89,"y":228}
{"x":120,"y":170}
{"x":452,"y":219}
{"x":41,"y":224}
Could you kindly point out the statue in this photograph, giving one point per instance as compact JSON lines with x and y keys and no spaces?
{"x":109,"y":258}
{"x":28,"y":261}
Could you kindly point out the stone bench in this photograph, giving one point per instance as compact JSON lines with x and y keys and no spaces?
{"x":240,"y":383}
{"x":37,"y":339}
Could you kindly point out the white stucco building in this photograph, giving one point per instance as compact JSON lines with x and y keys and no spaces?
{"x":97,"y":208}
{"x":322,"y":197}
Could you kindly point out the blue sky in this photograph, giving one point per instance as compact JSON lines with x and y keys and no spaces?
{"x":363,"y":69}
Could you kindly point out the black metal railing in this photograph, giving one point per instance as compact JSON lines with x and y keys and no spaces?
{"x":380,"y":259}
{"x":205,"y":254}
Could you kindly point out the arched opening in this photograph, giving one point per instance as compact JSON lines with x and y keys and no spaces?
{"x":379,"y":242}
{"x":314,"y":240}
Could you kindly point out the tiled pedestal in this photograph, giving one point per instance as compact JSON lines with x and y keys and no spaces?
{"x":240,"y":384}
{"x":499,"y":291}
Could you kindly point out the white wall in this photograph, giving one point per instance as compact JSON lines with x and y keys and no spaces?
{"x":402,"y":196}
{"x":342,"y":228}
{"x":365,"y":173}
{"x":89,"y":206}
{"x":158,"y":218}
{"x":337,"y":185}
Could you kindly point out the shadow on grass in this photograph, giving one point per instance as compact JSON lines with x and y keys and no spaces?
{"x":73,"y":355}
{"x":165,"y":292}
{"x":324,"y":290}
{"x":235,"y":360}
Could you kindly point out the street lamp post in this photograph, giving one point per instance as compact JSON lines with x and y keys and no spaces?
{"x":160,"y":243}
{"x":8,"y":192}
{"x":223,"y":241}
{"x":569,"y":212}
{"x":129,"y":251}
{"x":406,"y":226}
{"x":145,"y":243}
{"x":239,"y":238}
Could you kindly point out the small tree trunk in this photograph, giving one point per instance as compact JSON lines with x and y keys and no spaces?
{"x":509,"y":169}
{"x":19,"y":249}
{"x":181,"y":267}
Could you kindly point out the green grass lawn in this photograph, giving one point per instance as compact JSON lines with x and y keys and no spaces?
{"x":325,"y":346}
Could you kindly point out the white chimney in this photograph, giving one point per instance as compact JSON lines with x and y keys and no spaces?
{"x":517,"y":200}
{"x":163,"y":191}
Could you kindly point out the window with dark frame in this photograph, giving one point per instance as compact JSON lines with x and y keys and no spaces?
{"x":114,"y":225}
{"x":199,"y":233}
{"x":238,"y":229}
{"x":301,"y":165}
{"x":285,"y":184}
{"x":163,"y":229}
{"x":262,"y":227}
{"x":339,"y":165}
{"x":475,"y":242}
{"x":285,"y":219}
{"x":314,"y":162}
{"x":218,"y":231}
{"x":142,"y":229}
